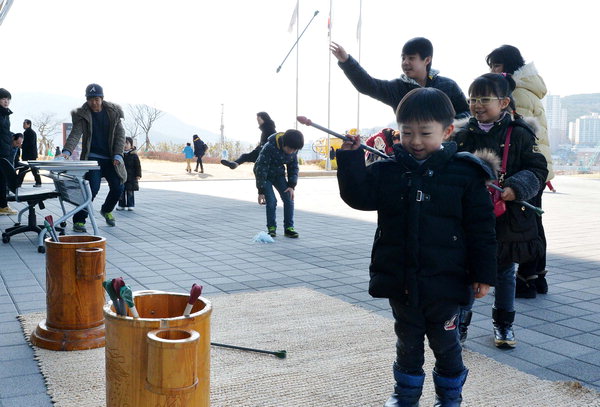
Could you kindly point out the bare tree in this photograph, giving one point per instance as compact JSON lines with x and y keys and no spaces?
{"x":47,"y":126}
{"x":145,"y":116}
{"x":132,"y":129}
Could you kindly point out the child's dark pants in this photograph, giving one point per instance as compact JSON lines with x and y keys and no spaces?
{"x":439,"y":321}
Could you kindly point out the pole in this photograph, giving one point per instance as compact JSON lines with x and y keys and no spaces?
{"x":327,"y":159}
{"x":222,"y":130}
{"x":359,"y":35}
{"x":297,"y":58}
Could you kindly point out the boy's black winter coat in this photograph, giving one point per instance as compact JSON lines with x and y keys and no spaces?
{"x":134,"y":169}
{"x":526,"y":172}
{"x":435,"y":228}
{"x":270,"y":164}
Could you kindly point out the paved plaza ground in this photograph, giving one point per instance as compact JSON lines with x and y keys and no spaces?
{"x":184,"y":232}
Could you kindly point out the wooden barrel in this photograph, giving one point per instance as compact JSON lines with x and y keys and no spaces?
{"x":127,"y":353}
{"x":172,"y":361}
{"x":75,"y":269}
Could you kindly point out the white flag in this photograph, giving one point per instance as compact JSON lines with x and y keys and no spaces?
{"x":294,"y":17}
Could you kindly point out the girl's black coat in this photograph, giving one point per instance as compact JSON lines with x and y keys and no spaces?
{"x":134,"y":169}
{"x":435,"y":225}
{"x":526,"y":172}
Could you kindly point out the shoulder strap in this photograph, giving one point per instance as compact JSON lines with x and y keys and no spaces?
{"x":505,"y":152}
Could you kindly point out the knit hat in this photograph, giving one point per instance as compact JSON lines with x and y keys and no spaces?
{"x":4,"y":94}
{"x":94,"y":90}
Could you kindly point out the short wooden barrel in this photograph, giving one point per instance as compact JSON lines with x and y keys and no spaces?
{"x":75,"y":269}
{"x":132,"y":363}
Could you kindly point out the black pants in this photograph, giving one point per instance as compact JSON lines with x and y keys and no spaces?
{"x":199,"y":163}
{"x":36,"y":175}
{"x":249,"y":157}
{"x":439,"y":322}
{"x":537,"y":265}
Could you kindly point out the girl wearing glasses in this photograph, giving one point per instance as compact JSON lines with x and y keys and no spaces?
{"x":494,"y":114}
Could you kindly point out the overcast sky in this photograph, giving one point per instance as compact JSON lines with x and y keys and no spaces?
{"x":188,"y":57}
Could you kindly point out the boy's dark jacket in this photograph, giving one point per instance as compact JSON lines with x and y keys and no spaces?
{"x":134,"y":170}
{"x":526,"y":172}
{"x":392,"y":92}
{"x":270,"y":164}
{"x":435,"y":225}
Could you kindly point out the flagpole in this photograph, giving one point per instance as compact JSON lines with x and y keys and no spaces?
{"x":327,"y":160}
{"x":359,"y":37}
{"x":297,"y":57}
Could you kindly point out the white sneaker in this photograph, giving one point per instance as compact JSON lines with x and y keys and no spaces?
{"x":120,"y":208}
{"x":130,"y":208}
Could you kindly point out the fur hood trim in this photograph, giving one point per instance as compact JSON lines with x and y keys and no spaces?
{"x":532,"y":122}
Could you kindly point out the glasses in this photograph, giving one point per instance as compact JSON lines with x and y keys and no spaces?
{"x":483,"y":101}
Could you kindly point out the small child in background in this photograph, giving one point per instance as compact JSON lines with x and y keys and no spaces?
{"x":280,"y":151}
{"x":134,"y":173}
{"x":188,"y":151}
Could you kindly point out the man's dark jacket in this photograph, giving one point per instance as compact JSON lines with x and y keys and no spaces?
{"x":392,"y":92}
{"x":435,"y":225}
{"x":29,"y":148}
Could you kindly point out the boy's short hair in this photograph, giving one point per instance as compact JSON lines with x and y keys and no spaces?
{"x":293,"y":139}
{"x":17,"y":136}
{"x":4,"y":94}
{"x":27,"y":121}
{"x":425,"y":105}
{"x":508,"y":56}
{"x":188,"y":144}
{"x":421,"y":46}
{"x":129,"y":140}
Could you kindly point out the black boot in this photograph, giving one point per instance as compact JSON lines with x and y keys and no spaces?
{"x":541,"y":285}
{"x":448,"y":390}
{"x":231,"y":164}
{"x":504,"y":336}
{"x":526,"y":287}
{"x":407,"y":390}
{"x":463,"y":324}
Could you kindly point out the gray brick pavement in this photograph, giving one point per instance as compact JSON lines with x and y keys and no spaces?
{"x":186,"y":232}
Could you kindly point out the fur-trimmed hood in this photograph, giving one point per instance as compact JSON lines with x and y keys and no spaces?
{"x":527,"y":77}
{"x":433,"y":73}
{"x":460,"y":124}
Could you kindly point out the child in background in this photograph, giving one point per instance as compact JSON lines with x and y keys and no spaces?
{"x":434,"y":245}
{"x":134,"y":173}
{"x":383,"y":141}
{"x":188,"y":152}
{"x":280,"y":150}
{"x":526,"y":171}
{"x":267,"y":129}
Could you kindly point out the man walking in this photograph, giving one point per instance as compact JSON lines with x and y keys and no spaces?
{"x":29,"y":150}
{"x":100,"y":124}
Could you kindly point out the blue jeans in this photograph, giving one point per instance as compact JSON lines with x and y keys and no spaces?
{"x":107,"y":170}
{"x":127,"y":199}
{"x":504,"y":291}
{"x":280,"y":185}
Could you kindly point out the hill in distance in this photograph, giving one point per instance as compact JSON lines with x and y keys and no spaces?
{"x":168,"y":128}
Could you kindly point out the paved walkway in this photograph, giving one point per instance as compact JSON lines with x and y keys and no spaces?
{"x":186,"y":232}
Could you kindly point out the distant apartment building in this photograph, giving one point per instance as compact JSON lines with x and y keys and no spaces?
{"x":558,"y":128}
{"x":586,"y":131}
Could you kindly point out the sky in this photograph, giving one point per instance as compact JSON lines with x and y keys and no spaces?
{"x":197,"y":58}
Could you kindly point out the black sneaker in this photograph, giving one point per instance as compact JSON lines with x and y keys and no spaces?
{"x":290,"y":232}
{"x":231,"y":164}
{"x":79,"y":227}
{"x":109,"y":218}
{"x":504,"y":336}
{"x":272,"y":231}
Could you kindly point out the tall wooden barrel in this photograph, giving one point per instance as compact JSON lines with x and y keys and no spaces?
{"x":75,"y":269}
{"x":128,"y":379}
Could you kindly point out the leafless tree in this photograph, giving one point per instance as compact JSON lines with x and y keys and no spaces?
{"x":144,"y":116}
{"x":47,"y":125}
{"x":132,"y":129}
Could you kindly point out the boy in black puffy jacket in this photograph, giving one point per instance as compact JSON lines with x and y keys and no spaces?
{"x":280,"y":150}
{"x":435,"y":241}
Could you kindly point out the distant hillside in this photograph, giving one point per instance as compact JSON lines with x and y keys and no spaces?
{"x":167,"y":128}
{"x":580,"y":105}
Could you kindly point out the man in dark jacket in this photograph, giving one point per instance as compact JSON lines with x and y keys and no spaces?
{"x":199,"y":151}
{"x":417,"y":55}
{"x":29,"y":150}
{"x":98,"y":124}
